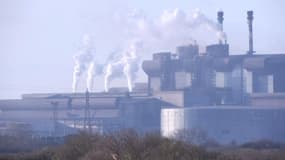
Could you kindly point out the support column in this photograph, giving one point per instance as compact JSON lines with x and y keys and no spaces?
{"x":248,"y":82}
{"x":270,"y":84}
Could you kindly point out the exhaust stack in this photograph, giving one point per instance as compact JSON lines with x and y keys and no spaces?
{"x":249,"y":21}
{"x":220,"y":17}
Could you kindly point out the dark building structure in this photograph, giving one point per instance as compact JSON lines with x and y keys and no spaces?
{"x":62,"y":114}
{"x":219,"y":93}
{"x":216,"y":76}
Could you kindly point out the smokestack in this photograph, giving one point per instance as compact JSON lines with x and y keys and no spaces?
{"x":220,"y":17}
{"x":249,"y":21}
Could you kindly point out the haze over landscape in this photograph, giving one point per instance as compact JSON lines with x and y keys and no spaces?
{"x":142,"y":80}
{"x":39,"y":38}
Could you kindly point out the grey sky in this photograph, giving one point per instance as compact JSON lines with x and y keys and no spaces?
{"x":38,"y":38}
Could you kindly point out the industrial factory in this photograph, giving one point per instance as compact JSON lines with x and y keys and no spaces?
{"x":231,"y":98}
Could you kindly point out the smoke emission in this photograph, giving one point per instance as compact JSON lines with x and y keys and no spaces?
{"x":84,"y":63}
{"x":171,"y":29}
{"x":127,"y":65}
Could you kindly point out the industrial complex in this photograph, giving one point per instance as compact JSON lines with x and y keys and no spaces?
{"x":231,"y":98}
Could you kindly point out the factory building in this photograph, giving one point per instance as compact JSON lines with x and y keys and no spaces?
{"x":63,"y":114}
{"x":215,"y":77}
{"x":233,"y":98}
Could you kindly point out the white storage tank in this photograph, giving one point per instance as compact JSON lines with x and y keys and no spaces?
{"x":227,"y":124}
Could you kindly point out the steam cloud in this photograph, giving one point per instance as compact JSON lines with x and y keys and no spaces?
{"x":144,"y":36}
{"x":84,"y":63}
{"x":172,"y":28}
{"x":128,"y":65}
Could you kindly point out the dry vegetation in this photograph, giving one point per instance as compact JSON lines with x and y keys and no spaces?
{"x":128,"y":145}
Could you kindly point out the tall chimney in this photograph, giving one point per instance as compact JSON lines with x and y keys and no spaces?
{"x":249,"y":21}
{"x":220,"y":18}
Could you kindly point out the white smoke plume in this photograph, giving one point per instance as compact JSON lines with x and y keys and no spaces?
{"x":84,"y":63}
{"x":124,"y":63}
{"x":171,"y":29}
{"x":201,"y":19}
{"x":180,"y":22}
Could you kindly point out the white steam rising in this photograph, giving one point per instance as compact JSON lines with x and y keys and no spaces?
{"x":127,"y":65}
{"x":84,"y":63}
{"x":171,"y":29}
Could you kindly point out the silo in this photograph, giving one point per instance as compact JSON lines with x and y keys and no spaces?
{"x":227,"y":124}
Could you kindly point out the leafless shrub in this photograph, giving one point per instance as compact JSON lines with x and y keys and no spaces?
{"x":129,"y":145}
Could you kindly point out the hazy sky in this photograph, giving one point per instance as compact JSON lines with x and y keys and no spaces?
{"x":38,"y":38}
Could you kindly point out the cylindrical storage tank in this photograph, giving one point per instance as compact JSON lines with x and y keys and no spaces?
{"x":152,"y":68}
{"x":226,"y":124}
